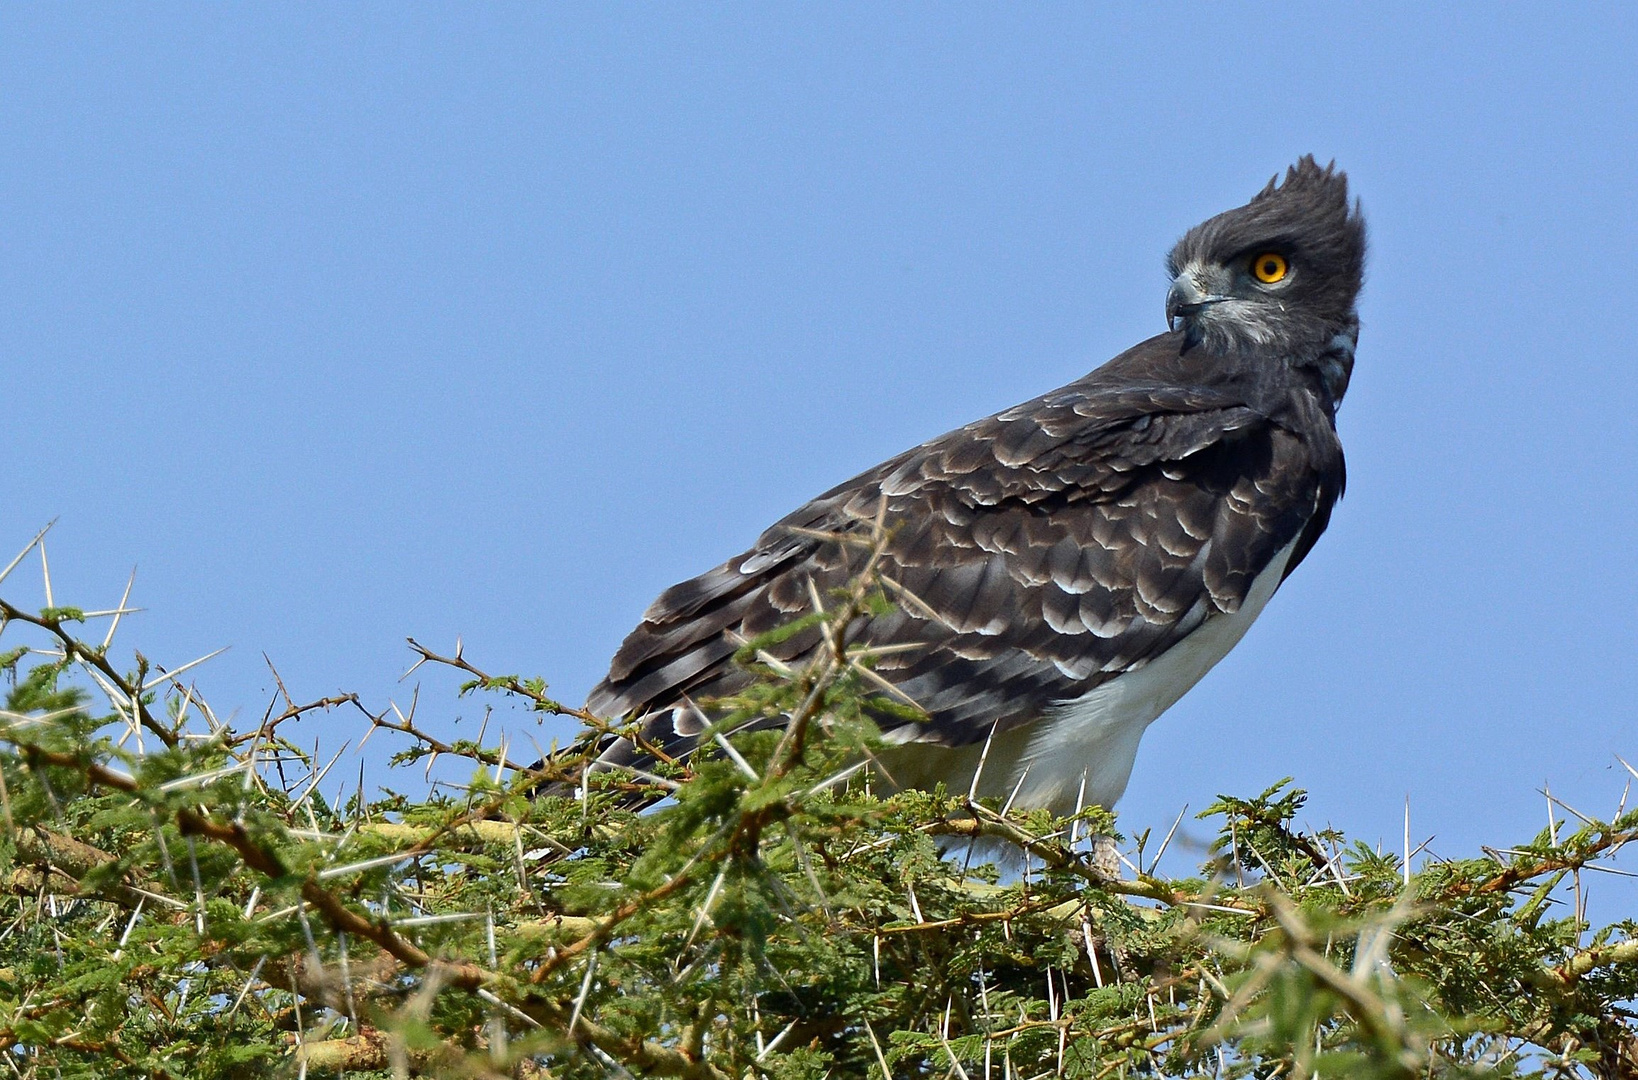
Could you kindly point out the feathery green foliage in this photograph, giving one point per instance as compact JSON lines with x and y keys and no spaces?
{"x":181,"y":900}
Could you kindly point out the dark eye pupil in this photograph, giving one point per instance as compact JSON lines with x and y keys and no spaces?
{"x":1270,"y":268}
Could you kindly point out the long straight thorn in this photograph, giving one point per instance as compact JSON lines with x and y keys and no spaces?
{"x":1080,"y":804}
{"x":1015,"y":789}
{"x":580,"y":999}
{"x":108,"y":639}
{"x":45,"y":572}
{"x":1552,"y":818}
{"x":168,"y":675}
{"x":21,"y":555}
{"x":1407,"y":867}
{"x":983,"y":759}
{"x":1168,"y":839}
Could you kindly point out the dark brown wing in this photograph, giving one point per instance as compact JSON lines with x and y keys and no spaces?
{"x":1058,"y":544}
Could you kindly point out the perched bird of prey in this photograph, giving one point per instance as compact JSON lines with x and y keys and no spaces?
{"x":1078,"y":561}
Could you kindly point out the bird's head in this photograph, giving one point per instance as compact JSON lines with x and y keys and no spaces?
{"x":1279,"y":274}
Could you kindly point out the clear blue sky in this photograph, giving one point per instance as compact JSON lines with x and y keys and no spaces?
{"x":347,"y":323}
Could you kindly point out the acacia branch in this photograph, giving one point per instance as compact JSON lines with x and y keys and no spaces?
{"x":96,"y":658}
{"x":640,"y":1053}
{"x":1606,"y":842}
{"x":510,"y":684}
{"x":986,"y":823}
{"x":1588,"y":960}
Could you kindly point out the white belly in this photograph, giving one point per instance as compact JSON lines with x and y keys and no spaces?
{"x":1094,"y":737}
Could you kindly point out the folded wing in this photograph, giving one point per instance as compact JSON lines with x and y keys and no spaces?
{"x":1049,"y":548}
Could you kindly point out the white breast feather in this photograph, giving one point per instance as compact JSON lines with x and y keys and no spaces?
{"x":1097,"y":735}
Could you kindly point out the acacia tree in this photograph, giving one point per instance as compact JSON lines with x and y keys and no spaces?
{"x":182,"y":900}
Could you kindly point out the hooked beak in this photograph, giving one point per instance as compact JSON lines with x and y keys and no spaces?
{"x":1185,"y":299}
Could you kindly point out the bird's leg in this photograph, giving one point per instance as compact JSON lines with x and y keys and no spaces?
{"x":1105,"y":855}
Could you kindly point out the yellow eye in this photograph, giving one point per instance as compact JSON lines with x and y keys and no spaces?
{"x":1269,"y":267}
